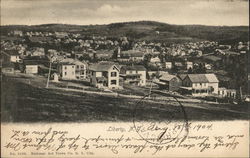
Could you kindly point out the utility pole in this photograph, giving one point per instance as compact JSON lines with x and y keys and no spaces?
{"x":150,"y":88}
{"x":50,"y":63}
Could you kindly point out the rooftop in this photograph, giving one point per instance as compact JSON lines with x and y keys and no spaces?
{"x":203,"y":78}
{"x":102,"y":66}
{"x":134,"y":67}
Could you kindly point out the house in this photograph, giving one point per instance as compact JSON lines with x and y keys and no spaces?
{"x":155,"y":60}
{"x":169,"y":82}
{"x":200,"y":84}
{"x":168,"y":65}
{"x":178,"y":64}
{"x":72,"y":69}
{"x":30,"y":67}
{"x":104,"y":75}
{"x":17,"y":33}
{"x":11,"y":56}
{"x":231,"y":93}
{"x":222,"y":92}
{"x":130,"y":55}
{"x":189,"y":65}
{"x":81,"y":69}
{"x":61,"y":34}
{"x":135,"y":74}
{"x":213,"y":83}
{"x":7,"y":67}
{"x":37,"y":52}
{"x":212,"y":59}
{"x":67,"y":70}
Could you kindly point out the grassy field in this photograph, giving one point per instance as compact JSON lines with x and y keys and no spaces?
{"x":24,"y":99}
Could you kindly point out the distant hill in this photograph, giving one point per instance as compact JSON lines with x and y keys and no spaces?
{"x":148,"y":30}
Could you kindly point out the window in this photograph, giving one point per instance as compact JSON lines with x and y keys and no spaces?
{"x":65,"y":67}
{"x":72,"y":66}
{"x":113,"y":82}
{"x":113,"y":74}
{"x":200,"y":84}
{"x":82,"y":67}
{"x":65,"y":73}
{"x":77,"y":66}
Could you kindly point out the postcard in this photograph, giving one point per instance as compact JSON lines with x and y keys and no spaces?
{"x":116,"y":78}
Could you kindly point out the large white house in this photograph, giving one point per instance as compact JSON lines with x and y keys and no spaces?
{"x":135,"y":74}
{"x":72,"y":69}
{"x":104,"y":75}
{"x":200,"y":84}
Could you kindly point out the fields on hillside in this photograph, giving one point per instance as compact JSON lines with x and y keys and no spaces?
{"x":24,"y":101}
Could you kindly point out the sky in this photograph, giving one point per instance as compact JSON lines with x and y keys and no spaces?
{"x":85,"y":12}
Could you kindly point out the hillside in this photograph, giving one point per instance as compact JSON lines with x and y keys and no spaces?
{"x":146,"y":30}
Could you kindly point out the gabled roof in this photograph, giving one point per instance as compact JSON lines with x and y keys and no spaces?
{"x":70,"y":61}
{"x":103,"y":66}
{"x":182,"y":76}
{"x":134,"y":67}
{"x":211,"y":78}
{"x":167,"y":77}
{"x":203,"y":78}
{"x":30,"y":62}
{"x":11,"y":52}
{"x":198,"y":78}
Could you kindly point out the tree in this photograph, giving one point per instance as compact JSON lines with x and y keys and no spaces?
{"x":85,"y":57}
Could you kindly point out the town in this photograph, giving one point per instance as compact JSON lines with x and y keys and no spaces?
{"x":204,"y":71}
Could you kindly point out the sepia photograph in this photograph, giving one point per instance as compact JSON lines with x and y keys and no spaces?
{"x":132,"y":78}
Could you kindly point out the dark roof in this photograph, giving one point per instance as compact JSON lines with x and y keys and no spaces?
{"x":134,"y":67}
{"x":30,"y":62}
{"x":182,"y":76}
{"x":70,"y":61}
{"x":102,"y":66}
{"x":7,"y":65}
{"x":11,"y":52}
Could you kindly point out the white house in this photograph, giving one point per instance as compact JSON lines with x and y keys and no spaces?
{"x":67,"y":71}
{"x":15,"y":58}
{"x":135,"y":74}
{"x":11,"y":56}
{"x":200,"y":84}
{"x":72,"y":69}
{"x":213,"y":83}
{"x":229,"y":93}
{"x":155,"y":60}
{"x":189,"y":65}
{"x":104,"y":75}
{"x":31,"y":69}
{"x":168,"y":65}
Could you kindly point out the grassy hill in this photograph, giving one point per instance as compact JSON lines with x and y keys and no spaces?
{"x":146,"y":30}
